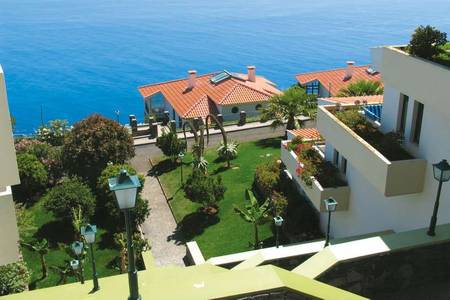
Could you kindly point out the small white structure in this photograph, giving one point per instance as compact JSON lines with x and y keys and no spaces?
{"x":9,"y":175}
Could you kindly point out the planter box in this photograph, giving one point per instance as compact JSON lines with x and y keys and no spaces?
{"x":316,"y":193}
{"x":392,"y":178}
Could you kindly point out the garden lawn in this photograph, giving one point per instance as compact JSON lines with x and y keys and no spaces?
{"x":230,"y":234}
{"x":56,"y":231}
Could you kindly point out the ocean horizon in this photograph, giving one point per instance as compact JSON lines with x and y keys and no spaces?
{"x":68,"y":59}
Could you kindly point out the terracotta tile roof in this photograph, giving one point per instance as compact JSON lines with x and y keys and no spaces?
{"x":189,"y":103}
{"x":335,"y":78}
{"x":351,"y":100}
{"x":306,"y":133}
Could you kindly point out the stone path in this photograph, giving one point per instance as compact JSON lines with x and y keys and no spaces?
{"x":160,"y":225}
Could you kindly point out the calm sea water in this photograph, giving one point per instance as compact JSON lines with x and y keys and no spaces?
{"x":73,"y":58}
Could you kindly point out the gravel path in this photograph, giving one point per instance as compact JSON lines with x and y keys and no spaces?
{"x":160,"y":225}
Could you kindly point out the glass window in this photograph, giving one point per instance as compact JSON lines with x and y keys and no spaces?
{"x":312,"y":88}
{"x":404,"y":99}
{"x":343,"y":166}
{"x":336,"y":157}
{"x":417,"y":122}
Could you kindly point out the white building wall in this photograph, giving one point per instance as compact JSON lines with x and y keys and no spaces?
{"x":369,"y":210}
{"x":9,"y":175}
{"x":250,"y":109}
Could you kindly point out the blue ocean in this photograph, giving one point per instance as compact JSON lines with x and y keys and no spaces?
{"x":67,"y":59}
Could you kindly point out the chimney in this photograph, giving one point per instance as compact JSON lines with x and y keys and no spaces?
{"x":251,"y":74}
{"x":191,"y":79}
{"x":349,"y":70}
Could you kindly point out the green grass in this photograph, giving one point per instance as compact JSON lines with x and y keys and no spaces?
{"x":230,"y":233}
{"x":57,"y":231}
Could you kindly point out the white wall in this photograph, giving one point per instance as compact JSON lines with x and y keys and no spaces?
{"x":9,"y":174}
{"x":9,"y":250}
{"x":248,"y":108}
{"x":369,"y":210}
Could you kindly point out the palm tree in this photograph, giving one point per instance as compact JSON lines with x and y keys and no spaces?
{"x":42,"y":248}
{"x":362,"y":88}
{"x":292,"y":103}
{"x":227,"y":151}
{"x":254,"y":213}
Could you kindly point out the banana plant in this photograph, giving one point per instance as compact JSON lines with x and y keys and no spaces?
{"x":41,"y":248}
{"x":254,"y":213}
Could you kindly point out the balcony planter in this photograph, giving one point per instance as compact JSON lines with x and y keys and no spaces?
{"x":392,"y":178}
{"x":316,"y":193}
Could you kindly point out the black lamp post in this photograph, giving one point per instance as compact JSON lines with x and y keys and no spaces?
{"x":330,"y":205}
{"x":441,"y":172}
{"x":278,"y":221}
{"x":181,"y":156}
{"x":77,"y":248}
{"x":88,"y":232}
{"x":125,"y":188}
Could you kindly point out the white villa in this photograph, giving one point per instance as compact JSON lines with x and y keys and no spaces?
{"x":380,"y":194}
{"x":9,"y":175}
{"x":215,"y":93}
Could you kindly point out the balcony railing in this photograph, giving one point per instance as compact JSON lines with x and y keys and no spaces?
{"x":392,"y":178}
{"x":316,"y":193}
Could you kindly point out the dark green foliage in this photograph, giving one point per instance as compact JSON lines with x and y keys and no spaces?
{"x":292,"y":103}
{"x":267,"y":177}
{"x":204,"y":189}
{"x":33,"y":175}
{"x":362,"y":88}
{"x":14,"y":278}
{"x":427,"y":42}
{"x":69,"y":194}
{"x":170,"y":144}
{"x":386,"y":144}
{"x":107,"y":201}
{"x":92,"y":144}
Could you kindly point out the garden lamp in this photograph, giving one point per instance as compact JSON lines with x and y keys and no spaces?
{"x":278,"y":221}
{"x":181,"y":156}
{"x":441,"y":172}
{"x":77,"y":248}
{"x":88,"y":232}
{"x":330,"y":206}
{"x":125,"y":188}
{"x":74,"y":264}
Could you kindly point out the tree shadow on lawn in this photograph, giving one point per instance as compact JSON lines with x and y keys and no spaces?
{"x":192,"y":225}
{"x":269,"y":143}
{"x":162,"y":167}
{"x":56,"y":231}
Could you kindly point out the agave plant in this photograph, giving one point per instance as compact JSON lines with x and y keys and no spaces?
{"x":227,"y":151}
{"x":200,"y":163}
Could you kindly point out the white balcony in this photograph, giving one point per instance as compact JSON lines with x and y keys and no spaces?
{"x":316,"y":193}
{"x":392,"y":178}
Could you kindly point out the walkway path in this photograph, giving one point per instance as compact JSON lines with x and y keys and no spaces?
{"x":160,"y":225}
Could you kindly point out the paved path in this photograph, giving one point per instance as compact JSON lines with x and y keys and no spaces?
{"x":160,"y":225}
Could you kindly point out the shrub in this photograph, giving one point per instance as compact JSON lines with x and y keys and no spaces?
{"x":14,"y":278}
{"x":267,"y":178}
{"x":204,"y":189}
{"x":69,"y":194}
{"x":170,"y":145}
{"x":33,"y":176}
{"x":53,"y":132}
{"x":49,"y":156}
{"x":426,"y":42}
{"x":279,"y":204}
{"x":362,"y":88}
{"x":107,"y":201}
{"x":92,"y":144}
